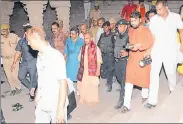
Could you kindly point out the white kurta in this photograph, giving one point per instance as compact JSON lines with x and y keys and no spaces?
{"x":99,"y":32}
{"x":164,"y":51}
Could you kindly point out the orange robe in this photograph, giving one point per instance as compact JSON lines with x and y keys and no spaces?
{"x":135,"y":74}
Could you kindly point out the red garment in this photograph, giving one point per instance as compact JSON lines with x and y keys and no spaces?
{"x":92,"y":60}
{"x":127,"y":10}
{"x":142,"y":11}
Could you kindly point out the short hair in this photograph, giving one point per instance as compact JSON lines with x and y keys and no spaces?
{"x":180,"y":9}
{"x":85,"y":25}
{"x":112,"y":20}
{"x":75,"y":29}
{"x":56,"y":23}
{"x":103,"y":19}
{"x":89,"y":33}
{"x":164,"y":2}
{"x":135,"y":14}
{"x":107,"y":23}
{"x":12,"y":31}
{"x":150,"y":11}
{"x":153,"y":11}
{"x":141,"y":1}
{"x":38,"y":31}
{"x":26,"y":28}
{"x":147,"y":14}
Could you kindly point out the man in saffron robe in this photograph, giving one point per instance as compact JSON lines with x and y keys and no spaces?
{"x":142,"y":39}
{"x":89,"y":71}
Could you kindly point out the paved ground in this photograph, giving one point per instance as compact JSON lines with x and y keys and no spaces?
{"x":101,"y":112}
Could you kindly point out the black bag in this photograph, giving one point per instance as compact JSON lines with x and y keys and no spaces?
{"x":72,"y":103}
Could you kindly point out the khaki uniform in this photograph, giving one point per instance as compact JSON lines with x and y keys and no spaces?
{"x":8,"y":46}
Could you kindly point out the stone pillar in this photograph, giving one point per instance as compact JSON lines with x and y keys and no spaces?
{"x":63,"y":12}
{"x":35,"y":11}
{"x":6,"y":10}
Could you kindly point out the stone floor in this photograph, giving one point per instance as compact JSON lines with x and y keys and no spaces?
{"x":103,"y":112}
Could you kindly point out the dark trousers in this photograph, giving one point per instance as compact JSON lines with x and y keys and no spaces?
{"x":107,"y":68}
{"x":120,"y":71}
{"x":23,"y":70}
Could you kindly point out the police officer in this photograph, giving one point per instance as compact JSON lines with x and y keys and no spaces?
{"x":120,"y":41}
{"x":8,"y":44}
{"x":28,"y":63}
{"x":106,"y":46}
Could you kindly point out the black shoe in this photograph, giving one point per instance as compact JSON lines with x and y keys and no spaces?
{"x":109,"y":88}
{"x":31,"y":99}
{"x":18,"y":108}
{"x":119,"y":105}
{"x":2,"y":82}
{"x":149,"y":106}
{"x":3,"y":121}
{"x":69,"y":117}
{"x":13,"y":92}
{"x":18,"y":91}
{"x":143,"y":100}
{"x":3,"y":96}
{"x":118,"y":90}
{"x":16,"y":105}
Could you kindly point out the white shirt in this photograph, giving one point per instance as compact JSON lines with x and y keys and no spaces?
{"x":81,"y":36}
{"x":99,"y":32}
{"x":165,"y":32}
{"x":51,"y":69}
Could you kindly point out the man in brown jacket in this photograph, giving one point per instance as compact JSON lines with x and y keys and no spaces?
{"x":59,"y":36}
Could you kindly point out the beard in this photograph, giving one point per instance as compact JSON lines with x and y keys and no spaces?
{"x":135,"y":26}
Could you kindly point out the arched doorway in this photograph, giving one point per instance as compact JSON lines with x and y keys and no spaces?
{"x":18,"y":19}
{"x":48,"y":18}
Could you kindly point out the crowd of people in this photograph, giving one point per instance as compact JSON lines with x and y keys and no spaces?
{"x":109,"y":49}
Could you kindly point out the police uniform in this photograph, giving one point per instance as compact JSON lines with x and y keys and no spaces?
{"x":120,"y":41}
{"x":106,"y":46}
{"x":28,"y":64}
{"x":8,"y":45}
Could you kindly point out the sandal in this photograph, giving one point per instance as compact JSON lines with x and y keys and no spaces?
{"x":16,"y":105}
{"x":18,"y":108}
{"x":149,"y":106}
{"x":3,"y":96}
{"x":124,"y":109}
